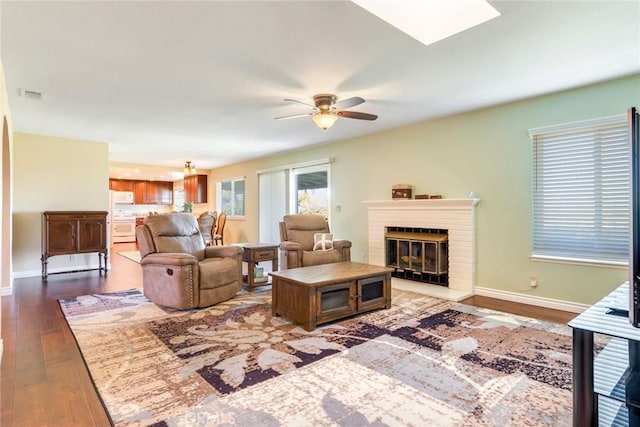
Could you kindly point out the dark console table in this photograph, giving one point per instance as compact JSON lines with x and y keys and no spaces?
{"x":601,"y":384}
{"x":74,"y":232}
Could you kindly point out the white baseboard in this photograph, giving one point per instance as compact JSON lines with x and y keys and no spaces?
{"x":532,"y":300}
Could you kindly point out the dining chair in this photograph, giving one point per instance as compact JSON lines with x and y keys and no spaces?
{"x":219,"y":234}
{"x":207,"y":223}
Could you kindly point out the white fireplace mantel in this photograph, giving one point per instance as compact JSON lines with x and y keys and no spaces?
{"x":457,"y":216}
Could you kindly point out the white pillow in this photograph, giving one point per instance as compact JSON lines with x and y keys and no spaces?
{"x":322,"y":242}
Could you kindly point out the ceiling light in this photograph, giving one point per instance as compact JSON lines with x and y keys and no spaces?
{"x":190,"y":169}
{"x":325,"y":120}
{"x":430,"y":20}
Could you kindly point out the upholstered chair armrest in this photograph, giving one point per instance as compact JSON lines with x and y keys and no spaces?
{"x":229,"y":251}
{"x":341,"y":244}
{"x":168,"y":258}
{"x":290,"y":246}
{"x":344,"y":247}
{"x":290,"y":255}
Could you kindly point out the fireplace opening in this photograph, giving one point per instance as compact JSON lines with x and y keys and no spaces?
{"x":419,"y":254}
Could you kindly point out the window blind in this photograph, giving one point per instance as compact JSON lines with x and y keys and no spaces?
{"x":581,"y":191}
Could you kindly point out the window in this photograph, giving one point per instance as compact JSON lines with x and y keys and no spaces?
{"x":310,"y":190}
{"x":178,"y":200}
{"x":230,"y":197}
{"x":581,"y":192}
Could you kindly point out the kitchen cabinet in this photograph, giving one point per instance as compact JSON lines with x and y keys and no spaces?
{"x":153,"y":192}
{"x":195,"y":188}
{"x":74,"y":232}
{"x":121,"y":184}
{"x":140,"y":192}
{"x":164,"y":192}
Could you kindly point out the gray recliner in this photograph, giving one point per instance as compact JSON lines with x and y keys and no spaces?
{"x":297,"y":233}
{"x":178,"y":270}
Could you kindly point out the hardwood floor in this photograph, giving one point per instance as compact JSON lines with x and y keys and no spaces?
{"x":44,"y":380}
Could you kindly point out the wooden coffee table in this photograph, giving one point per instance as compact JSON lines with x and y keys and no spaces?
{"x":322,"y":293}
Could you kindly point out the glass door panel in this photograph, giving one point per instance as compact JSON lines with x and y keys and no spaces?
{"x":392,"y":252}
{"x":416,"y":256}
{"x":404,"y":261}
{"x":310,"y":190}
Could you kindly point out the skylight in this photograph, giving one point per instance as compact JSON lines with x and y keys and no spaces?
{"x":430,"y":20}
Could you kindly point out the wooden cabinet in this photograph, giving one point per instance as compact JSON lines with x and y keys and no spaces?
{"x":139,"y":192}
{"x":121,"y":184}
{"x":195,"y":188}
{"x":164,"y":192}
{"x":74,"y":232}
{"x":153,"y":192}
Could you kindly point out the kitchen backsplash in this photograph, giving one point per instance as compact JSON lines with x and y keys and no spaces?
{"x":143,"y":210}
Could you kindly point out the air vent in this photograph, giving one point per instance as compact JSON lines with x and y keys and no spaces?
{"x":31,"y":94}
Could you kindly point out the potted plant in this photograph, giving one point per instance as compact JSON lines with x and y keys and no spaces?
{"x":187,"y":207}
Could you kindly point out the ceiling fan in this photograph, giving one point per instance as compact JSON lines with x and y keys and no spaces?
{"x":327,"y":109}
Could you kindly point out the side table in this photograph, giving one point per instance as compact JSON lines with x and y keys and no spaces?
{"x":253,"y":253}
{"x":604,"y":387}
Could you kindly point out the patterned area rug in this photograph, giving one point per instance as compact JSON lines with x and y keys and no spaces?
{"x":423,"y":362}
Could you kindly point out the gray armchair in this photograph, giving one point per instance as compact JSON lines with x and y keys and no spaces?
{"x":297,"y":242}
{"x":178,"y":270}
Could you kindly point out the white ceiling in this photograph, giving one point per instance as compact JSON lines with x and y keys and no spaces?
{"x":166,"y":82}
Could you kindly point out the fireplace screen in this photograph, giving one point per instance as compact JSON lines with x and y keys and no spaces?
{"x":418,"y":254}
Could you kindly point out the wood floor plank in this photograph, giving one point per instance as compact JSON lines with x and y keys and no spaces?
{"x":44,"y":381}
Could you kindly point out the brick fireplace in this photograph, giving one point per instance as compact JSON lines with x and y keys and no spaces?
{"x":457,"y":216}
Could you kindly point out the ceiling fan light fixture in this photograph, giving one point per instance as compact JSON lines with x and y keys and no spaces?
{"x":325,"y":120}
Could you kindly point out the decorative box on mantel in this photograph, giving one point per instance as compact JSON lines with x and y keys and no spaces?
{"x":457,"y":216}
{"x":401,"y":192}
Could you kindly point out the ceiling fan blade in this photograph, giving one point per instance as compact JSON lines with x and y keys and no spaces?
{"x":294,"y":116}
{"x":357,"y":115}
{"x":349,"y":102}
{"x":299,"y":102}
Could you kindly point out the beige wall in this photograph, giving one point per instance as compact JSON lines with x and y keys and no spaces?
{"x":487,"y":151}
{"x":54,"y":174}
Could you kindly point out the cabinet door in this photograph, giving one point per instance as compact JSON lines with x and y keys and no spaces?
{"x":121,"y":184}
{"x":91,"y":234}
{"x":62,"y":236}
{"x":372,"y":292}
{"x":151,"y":193}
{"x":165,"y":193}
{"x":336,"y":301}
{"x":139,"y":192}
{"x":195,"y":188}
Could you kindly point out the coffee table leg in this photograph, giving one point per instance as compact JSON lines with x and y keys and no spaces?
{"x":274,"y":296}
{"x":309,"y":326}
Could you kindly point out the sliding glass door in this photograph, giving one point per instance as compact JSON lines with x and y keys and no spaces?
{"x":310,"y":190}
{"x":302,"y":188}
